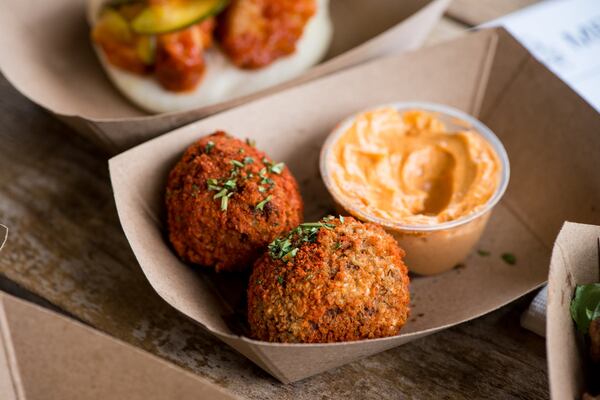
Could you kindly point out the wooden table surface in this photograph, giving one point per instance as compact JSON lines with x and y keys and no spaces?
{"x":67,"y":251}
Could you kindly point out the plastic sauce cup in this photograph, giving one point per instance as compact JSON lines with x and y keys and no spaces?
{"x":430,"y":249}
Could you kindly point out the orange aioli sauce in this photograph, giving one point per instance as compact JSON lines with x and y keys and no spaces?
{"x":406,"y":167}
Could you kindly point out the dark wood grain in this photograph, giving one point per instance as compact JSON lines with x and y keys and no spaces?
{"x":66,"y":246}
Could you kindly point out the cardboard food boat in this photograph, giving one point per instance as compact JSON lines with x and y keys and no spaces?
{"x":550,"y":134}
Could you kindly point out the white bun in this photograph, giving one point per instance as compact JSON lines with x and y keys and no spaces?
{"x":222,"y":81}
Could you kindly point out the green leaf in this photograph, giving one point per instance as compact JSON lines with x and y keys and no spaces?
{"x":236,"y":163}
{"x":290,"y":254}
{"x":261,"y":205}
{"x":221,"y":194}
{"x":230,"y":184}
{"x":286,"y":247}
{"x":277,"y":168}
{"x":209,"y":146}
{"x":312,"y":225}
{"x":224,"y":202}
{"x":585,"y":306}
{"x":509,"y":258}
{"x":483,"y":253}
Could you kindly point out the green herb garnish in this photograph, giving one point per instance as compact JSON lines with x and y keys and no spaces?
{"x":277,"y":168}
{"x":209,"y":146}
{"x":285,"y":248}
{"x":290,"y":254}
{"x":230,"y":184}
{"x":272,"y":167}
{"x":483,"y":253}
{"x":341,"y":219}
{"x":236,"y":163}
{"x":225,"y":201}
{"x":221,"y":193}
{"x":585,"y":306}
{"x":250,"y":142}
{"x":509,"y":258}
{"x":225,"y":187}
{"x":224,"y":190}
{"x":280,"y":280}
{"x":261,"y":205}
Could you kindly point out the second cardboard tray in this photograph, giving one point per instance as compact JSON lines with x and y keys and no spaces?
{"x":575,"y":261}
{"x":549,"y":132}
{"x":53,"y":63}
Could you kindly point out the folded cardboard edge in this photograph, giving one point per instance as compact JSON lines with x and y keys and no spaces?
{"x":3,"y":235}
{"x":10,"y":381}
{"x":10,"y":375}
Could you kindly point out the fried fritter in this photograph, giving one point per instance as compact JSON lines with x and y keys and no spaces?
{"x":336,"y":280}
{"x":226,"y":201}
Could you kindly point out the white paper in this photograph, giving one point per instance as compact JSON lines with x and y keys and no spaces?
{"x":565,"y":36}
{"x":534,"y":318}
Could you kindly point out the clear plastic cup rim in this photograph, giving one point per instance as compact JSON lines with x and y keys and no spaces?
{"x":448,"y":111}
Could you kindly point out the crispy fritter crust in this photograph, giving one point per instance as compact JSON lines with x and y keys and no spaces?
{"x":350,"y":284}
{"x":230,"y":240}
{"x":254,"y":33}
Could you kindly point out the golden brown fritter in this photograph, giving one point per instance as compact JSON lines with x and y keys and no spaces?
{"x":254,"y":33}
{"x":337,"y":280}
{"x":226,"y":201}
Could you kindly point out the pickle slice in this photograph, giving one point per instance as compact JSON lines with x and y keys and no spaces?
{"x":175,"y":15}
{"x":112,"y":24}
{"x":145,"y":48}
